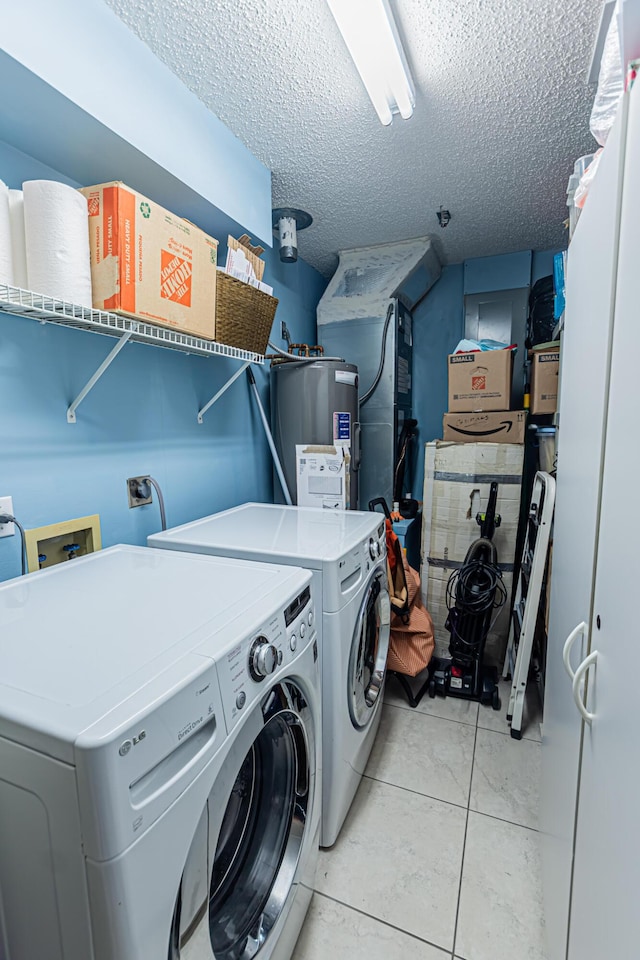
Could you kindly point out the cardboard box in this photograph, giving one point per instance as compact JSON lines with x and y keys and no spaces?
{"x":494,"y":427}
{"x":480,"y":381}
{"x":150,"y":264}
{"x":457,"y":482}
{"x":544,"y":380}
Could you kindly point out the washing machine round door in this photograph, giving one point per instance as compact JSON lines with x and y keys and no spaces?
{"x":369,"y":647}
{"x":257,"y":815}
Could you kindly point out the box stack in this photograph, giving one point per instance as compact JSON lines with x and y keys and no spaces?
{"x":479,"y":399}
{"x":457,"y":481}
{"x":483,"y":441}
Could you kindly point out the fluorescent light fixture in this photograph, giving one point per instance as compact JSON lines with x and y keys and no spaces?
{"x":371,"y":36}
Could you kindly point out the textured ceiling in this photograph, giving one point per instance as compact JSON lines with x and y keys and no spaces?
{"x":502,"y":110}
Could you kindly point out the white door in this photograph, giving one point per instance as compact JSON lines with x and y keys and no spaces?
{"x":243,"y":870}
{"x":583,"y":393}
{"x":605,"y":917}
{"x":369,"y":649}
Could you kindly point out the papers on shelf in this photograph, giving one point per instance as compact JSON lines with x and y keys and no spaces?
{"x":244,"y":263}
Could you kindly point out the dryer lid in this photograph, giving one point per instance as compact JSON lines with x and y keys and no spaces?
{"x":82,"y":637}
{"x":261,"y":531}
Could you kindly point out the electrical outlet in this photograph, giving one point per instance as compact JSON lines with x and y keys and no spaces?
{"x":6,"y":506}
{"x":139,"y":491}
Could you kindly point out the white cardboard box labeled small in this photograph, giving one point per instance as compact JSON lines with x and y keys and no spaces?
{"x":544,"y":380}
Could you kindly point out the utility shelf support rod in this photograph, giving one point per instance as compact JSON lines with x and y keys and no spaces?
{"x":90,"y":384}
{"x":222,"y":390}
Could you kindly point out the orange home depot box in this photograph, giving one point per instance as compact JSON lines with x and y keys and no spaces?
{"x":148,"y":263}
{"x":480,"y":381}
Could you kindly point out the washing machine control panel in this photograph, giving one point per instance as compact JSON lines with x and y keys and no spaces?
{"x":375,"y":547}
{"x":263,"y":658}
{"x":245,"y":670}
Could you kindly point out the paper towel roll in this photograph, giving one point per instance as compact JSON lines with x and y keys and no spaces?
{"x":18,"y":245}
{"x":6,"y":256}
{"x":57,"y":241}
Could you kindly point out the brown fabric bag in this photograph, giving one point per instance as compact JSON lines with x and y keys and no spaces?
{"x":396,"y":576}
{"x":411,"y":643}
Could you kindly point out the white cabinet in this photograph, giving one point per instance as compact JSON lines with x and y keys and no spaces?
{"x":605,"y":918}
{"x":591,"y":765}
{"x":582,"y":410}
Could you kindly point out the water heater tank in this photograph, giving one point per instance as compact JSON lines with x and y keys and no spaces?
{"x":315,"y":402}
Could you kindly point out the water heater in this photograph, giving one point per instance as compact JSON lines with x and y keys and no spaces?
{"x":315,"y":403}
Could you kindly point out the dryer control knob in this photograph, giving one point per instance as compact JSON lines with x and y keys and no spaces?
{"x":374,"y":549}
{"x":263,"y":658}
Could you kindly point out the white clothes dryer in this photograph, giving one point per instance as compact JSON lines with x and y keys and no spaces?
{"x":346,"y":552}
{"x":159,"y":759}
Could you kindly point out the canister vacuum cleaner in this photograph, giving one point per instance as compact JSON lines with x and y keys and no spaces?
{"x":475,"y":594}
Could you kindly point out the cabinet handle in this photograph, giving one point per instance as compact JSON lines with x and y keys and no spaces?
{"x":566,"y":650}
{"x":577,"y":678}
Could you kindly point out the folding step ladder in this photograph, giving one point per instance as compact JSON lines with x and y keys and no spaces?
{"x":527,"y":597}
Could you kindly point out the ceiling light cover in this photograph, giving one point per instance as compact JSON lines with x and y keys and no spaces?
{"x":371,"y":36}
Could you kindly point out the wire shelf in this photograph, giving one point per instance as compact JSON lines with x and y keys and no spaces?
{"x":50,"y":310}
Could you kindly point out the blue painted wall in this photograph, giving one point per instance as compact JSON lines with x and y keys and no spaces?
{"x":140,"y":418}
{"x":90,"y":98}
{"x":507,"y":272}
{"x":438,"y":325}
{"x":542,"y":264}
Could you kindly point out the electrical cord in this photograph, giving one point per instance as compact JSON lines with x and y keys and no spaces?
{"x":156,"y":487}
{"x":7,"y":518}
{"x":474,"y":589}
{"x":407,"y":435}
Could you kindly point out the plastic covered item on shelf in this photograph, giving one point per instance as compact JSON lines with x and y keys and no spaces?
{"x":610,"y":86}
{"x":559,"y":284}
{"x":579,"y":169}
{"x":471,"y":346}
{"x":582,"y":190}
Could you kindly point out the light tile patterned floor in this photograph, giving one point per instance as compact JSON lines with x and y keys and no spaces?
{"x":439,"y":856}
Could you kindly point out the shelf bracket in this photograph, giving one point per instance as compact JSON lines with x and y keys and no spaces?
{"x":90,"y":384}
{"x":222,"y":390}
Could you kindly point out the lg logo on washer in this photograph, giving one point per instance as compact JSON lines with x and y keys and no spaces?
{"x":125,"y":747}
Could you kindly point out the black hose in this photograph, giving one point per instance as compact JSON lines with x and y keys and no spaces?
{"x":371,"y":390}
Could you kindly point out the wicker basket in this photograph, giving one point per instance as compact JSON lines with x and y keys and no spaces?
{"x":244,"y":315}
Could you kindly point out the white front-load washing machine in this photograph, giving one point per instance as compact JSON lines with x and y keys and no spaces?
{"x":159,"y":759}
{"x":346,"y":552}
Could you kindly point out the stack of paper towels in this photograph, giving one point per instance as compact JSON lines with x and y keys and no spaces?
{"x":44,"y":240}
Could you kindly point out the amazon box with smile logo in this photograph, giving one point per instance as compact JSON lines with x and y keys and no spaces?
{"x":148,"y":263}
{"x":494,"y":427}
{"x":480,"y":381}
